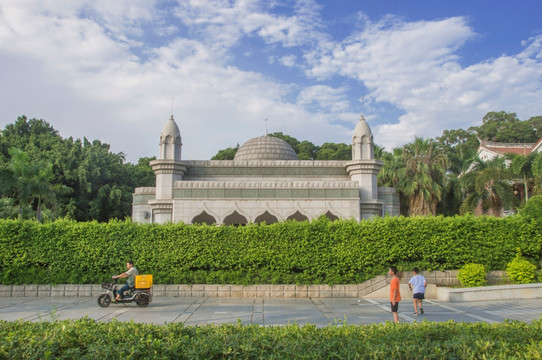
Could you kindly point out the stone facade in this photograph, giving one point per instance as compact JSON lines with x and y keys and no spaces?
{"x":264,"y":183}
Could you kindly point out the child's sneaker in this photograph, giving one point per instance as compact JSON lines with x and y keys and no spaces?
{"x":421,"y":311}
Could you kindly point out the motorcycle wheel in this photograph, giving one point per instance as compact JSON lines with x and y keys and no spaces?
{"x":104,"y":300}
{"x":142,"y":300}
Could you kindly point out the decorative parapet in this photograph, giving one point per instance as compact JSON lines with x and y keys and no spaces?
{"x":145,"y":191}
{"x":267,"y":184}
{"x":264,"y":163}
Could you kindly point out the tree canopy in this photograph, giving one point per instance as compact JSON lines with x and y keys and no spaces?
{"x":87,"y":181}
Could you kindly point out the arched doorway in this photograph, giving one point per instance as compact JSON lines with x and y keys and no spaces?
{"x":267,"y":217}
{"x":297,"y":216}
{"x":235,"y":219}
{"x":204,"y":218}
{"x":331,"y":216}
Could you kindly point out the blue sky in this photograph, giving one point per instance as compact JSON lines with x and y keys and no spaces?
{"x":108,"y":70}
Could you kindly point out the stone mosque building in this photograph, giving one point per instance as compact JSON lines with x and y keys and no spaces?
{"x":265,"y":182}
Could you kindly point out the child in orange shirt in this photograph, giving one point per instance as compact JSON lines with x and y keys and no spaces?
{"x":395,"y":294}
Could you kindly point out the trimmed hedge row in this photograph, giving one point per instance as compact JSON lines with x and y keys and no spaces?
{"x":86,"y":339}
{"x":320,"y":252}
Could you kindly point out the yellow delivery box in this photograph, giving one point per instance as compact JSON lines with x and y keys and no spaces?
{"x":143,"y":281}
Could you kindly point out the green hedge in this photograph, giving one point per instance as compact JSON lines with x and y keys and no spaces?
{"x":86,"y":339}
{"x":321,"y":252}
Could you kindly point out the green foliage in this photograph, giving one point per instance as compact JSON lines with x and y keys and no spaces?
{"x":79,"y":179}
{"x":318,"y":252}
{"x":472,"y":275}
{"x":88,"y":339}
{"x":226,"y":154}
{"x":533,"y":208}
{"x":520,"y":270}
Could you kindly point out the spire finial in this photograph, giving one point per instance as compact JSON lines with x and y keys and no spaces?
{"x":172,"y":98}
{"x":266,"y":133}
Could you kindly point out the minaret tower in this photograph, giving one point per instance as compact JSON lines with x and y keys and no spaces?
{"x":168,"y":169}
{"x":364,"y":169}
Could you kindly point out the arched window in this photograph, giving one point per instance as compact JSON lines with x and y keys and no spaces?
{"x":204,"y":218}
{"x":267,"y":217}
{"x":331,"y":216}
{"x":235,"y":219}
{"x":297,"y":216}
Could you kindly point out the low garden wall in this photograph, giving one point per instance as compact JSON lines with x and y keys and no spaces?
{"x":438,"y":278}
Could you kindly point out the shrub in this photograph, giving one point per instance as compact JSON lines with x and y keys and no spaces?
{"x":317,"y":252}
{"x":87,"y":339}
{"x":472,"y":275}
{"x":520,"y":270}
{"x":533,"y":208}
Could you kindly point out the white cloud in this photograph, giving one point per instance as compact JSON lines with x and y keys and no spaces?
{"x":325,"y":97}
{"x":89,"y":69}
{"x":86,"y":81}
{"x":414,"y":67}
{"x":288,"y":61}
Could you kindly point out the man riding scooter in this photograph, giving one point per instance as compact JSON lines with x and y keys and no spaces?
{"x":130,"y":283}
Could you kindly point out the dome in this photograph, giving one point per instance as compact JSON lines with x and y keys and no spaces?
{"x":170,"y":129}
{"x":265,"y":148}
{"x":362,"y":128}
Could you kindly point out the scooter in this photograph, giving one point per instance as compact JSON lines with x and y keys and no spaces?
{"x":142,"y":297}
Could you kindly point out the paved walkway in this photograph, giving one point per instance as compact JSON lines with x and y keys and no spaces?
{"x":265,"y":311}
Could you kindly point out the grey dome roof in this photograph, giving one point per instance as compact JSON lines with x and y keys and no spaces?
{"x":265,"y":148}
{"x":362,"y":128}
{"x":170,"y":129}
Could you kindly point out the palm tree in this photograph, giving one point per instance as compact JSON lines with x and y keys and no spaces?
{"x":536,"y":168}
{"x":393,"y":162}
{"x":521,"y":166}
{"x":27,"y":181}
{"x":422,"y":176}
{"x":42,"y":189}
{"x":487,"y":185}
{"x":19,"y":179}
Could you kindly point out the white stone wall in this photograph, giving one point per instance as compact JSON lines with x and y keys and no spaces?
{"x":186,"y":209}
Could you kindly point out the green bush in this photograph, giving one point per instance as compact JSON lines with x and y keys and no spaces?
{"x":318,"y":252}
{"x":533,"y":208}
{"x":520,"y":270}
{"x":472,"y":275}
{"x":87,"y":339}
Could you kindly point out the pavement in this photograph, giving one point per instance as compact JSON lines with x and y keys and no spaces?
{"x":266,"y":311}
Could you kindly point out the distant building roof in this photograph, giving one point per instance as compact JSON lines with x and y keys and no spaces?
{"x":489,"y":149}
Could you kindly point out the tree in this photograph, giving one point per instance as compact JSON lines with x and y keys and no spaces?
{"x":460,"y":147}
{"x":520,"y":167}
{"x":80,"y":169}
{"x":27,"y":181}
{"x":19,"y":179}
{"x":306,"y":150}
{"x":226,"y":154}
{"x":420,"y":178}
{"x":487,"y":186}
{"x":393,"y":163}
{"x":536,"y":168}
{"x":506,"y":127}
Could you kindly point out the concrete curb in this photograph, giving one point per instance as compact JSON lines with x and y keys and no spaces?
{"x":486,"y":293}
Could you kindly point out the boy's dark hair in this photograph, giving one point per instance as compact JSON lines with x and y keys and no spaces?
{"x":393,"y":270}
{"x":130,"y":262}
{"x":416,"y":270}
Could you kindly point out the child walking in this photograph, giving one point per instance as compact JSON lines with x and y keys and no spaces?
{"x":417,"y":285}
